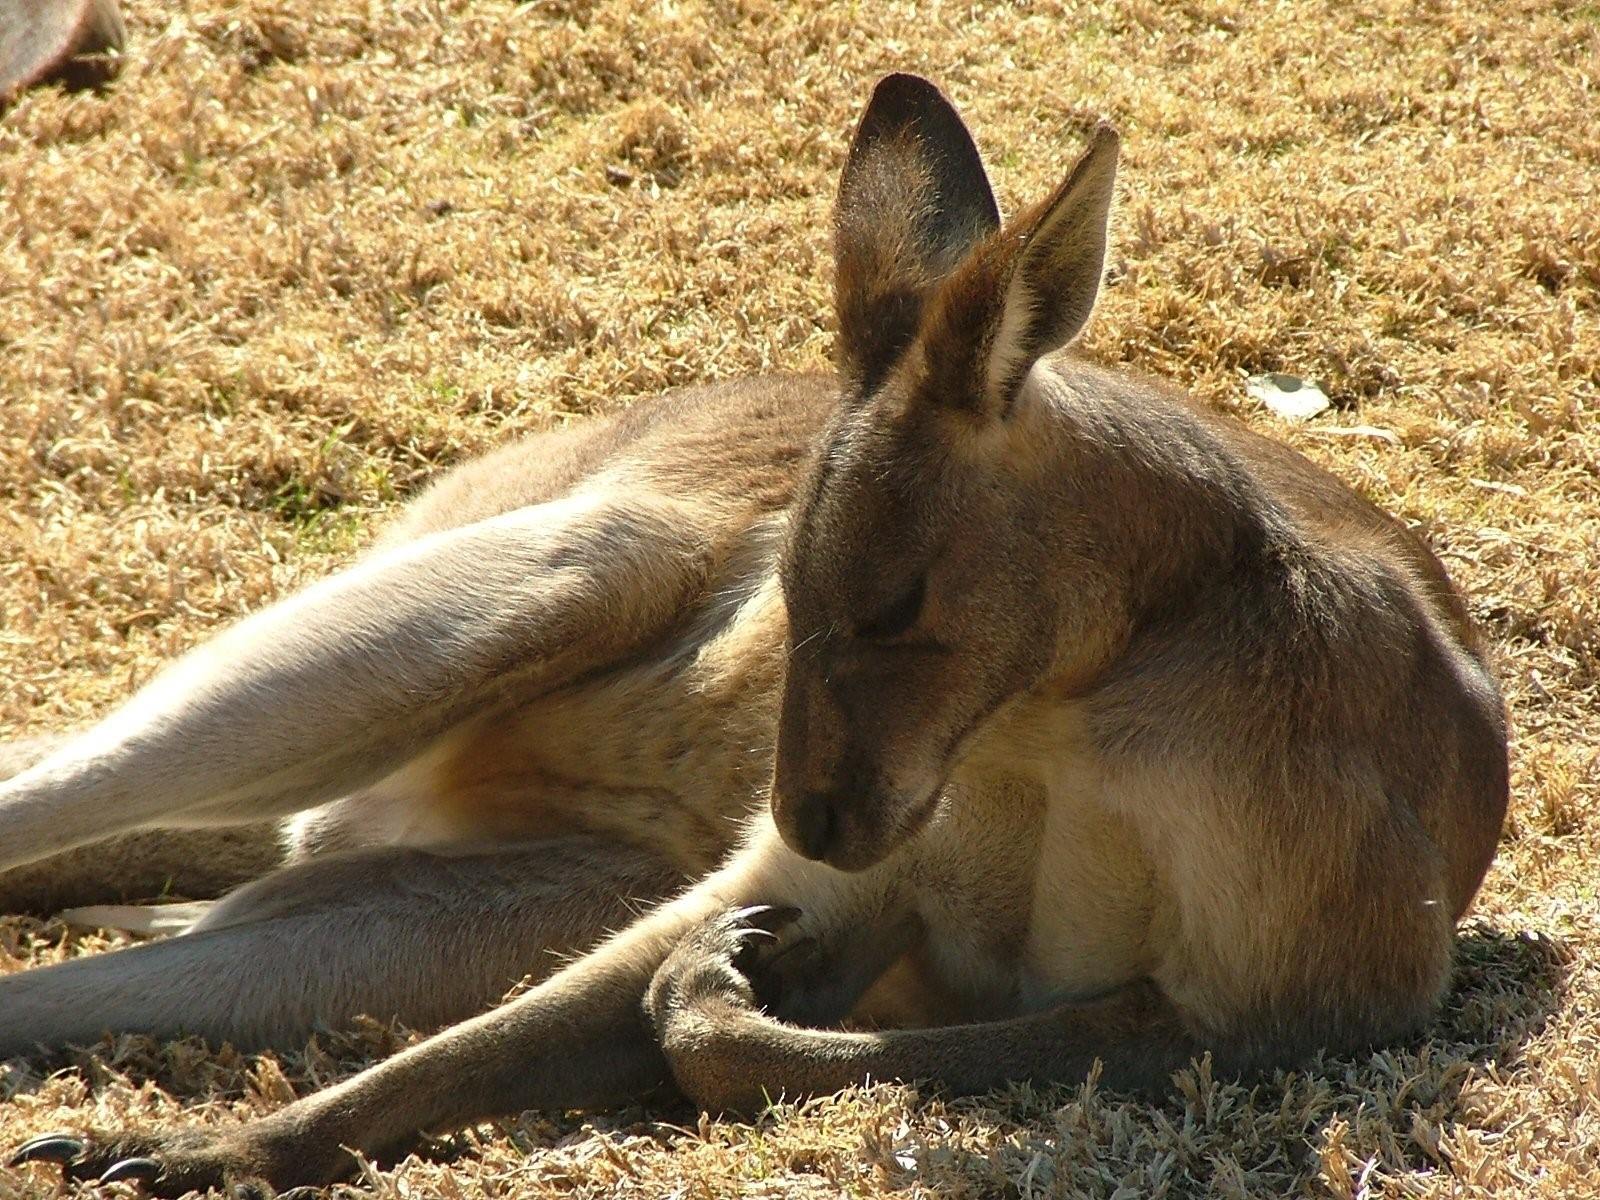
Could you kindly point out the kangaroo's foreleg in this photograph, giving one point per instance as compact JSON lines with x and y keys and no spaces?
{"x":728,"y":1055}
{"x":340,"y":685}
{"x":428,"y":937}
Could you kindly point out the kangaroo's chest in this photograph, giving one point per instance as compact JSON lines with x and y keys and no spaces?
{"x":1095,"y":900}
{"x":1033,"y":889}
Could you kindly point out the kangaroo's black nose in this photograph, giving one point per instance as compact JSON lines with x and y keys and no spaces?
{"x":817,"y":825}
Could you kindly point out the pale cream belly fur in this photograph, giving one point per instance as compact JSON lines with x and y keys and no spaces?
{"x":1040,"y":891}
{"x":1009,"y":937}
{"x":671,"y":752}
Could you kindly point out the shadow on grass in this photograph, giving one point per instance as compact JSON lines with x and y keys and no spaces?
{"x":1311,"y":1130}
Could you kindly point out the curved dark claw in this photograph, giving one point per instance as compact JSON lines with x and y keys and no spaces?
{"x":756,"y":928}
{"x":59,"y":1148}
{"x":139,"y":1170}
{"x":769,"y":918}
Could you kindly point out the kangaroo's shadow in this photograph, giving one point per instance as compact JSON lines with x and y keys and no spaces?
{"x":1387,"y":1109}
{"x":1505,"y":986}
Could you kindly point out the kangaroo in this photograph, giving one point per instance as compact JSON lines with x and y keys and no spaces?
{"x":976,"y":714}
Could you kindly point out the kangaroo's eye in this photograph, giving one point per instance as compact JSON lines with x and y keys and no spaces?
{"x":898,"y":617}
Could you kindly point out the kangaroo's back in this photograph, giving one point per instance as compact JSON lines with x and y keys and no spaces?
{"x":739,"y":446}
{"x":1323,"y":502}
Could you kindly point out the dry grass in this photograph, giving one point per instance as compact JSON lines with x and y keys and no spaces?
{"x":305,"y":254}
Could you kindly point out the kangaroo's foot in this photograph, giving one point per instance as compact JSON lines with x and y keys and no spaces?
{"x":248,"y":1161}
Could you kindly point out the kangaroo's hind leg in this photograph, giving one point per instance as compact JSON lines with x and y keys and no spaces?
{"x":340,"y":685}
{"x":194,"y":863}
{"x":425,"y":936}
{"x":580,"y":1038}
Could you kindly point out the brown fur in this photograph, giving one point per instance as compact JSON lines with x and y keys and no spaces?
{"x":1095,"y":729}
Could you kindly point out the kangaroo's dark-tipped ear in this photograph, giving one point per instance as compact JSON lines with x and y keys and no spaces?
{"x":913,"y":200}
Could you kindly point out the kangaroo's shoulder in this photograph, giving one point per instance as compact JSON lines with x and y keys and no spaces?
{"x":1320,"y":513}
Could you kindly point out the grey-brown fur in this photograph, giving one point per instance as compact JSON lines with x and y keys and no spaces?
{"x":1094,"y":726}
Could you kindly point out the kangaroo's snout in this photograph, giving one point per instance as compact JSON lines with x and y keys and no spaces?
{"x":850,"y":820}
{"x":845,"y":831}
{"x":814,"y":826}
{"x":835,"y":793}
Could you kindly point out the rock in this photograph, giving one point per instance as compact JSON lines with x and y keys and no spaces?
{"x":73,"y":42}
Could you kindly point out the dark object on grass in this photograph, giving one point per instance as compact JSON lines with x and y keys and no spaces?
{"x":73,"y":42}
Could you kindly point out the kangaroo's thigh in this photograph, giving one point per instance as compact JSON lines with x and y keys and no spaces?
{"x":426,"y":937}
{"x":337,"y":687}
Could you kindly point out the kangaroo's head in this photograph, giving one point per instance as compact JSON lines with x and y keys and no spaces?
{"x":919,"y":575}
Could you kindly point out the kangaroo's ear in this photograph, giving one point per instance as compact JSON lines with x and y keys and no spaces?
{"x":1058,"y":272}
{"x":1025,"y":293}
{"x":913,"y":200}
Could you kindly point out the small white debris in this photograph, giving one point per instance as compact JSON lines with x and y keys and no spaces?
{"x":1289,"y":396}
{"x":1494,"y":485}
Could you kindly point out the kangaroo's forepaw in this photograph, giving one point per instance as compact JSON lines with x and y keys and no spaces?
{"x":721,"y":961}
{"x":245,"y":1167}
{"x":704,"y":996}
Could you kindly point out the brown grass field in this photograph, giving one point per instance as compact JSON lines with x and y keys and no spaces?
{"x":303,"y":256}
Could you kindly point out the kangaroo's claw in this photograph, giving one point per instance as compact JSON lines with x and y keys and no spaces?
{"x":60,"y":1148}
{"x":242,"y":1162}
{"x":139,"y":1170}
{"x":769,"y":918}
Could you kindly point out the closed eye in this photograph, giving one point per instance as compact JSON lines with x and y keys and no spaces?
{"x":900,"y":616}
